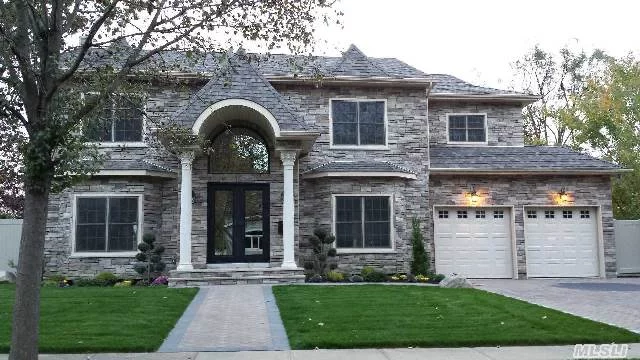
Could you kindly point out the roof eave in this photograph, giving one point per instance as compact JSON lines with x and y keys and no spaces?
{"x":525,"y":171}
{"x":351,"y":80}
{"x":518,"y":98}
{"x":134,"y":172}
{"x":337,"y":174}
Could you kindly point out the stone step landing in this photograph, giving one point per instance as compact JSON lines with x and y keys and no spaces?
{"x":235,"y":276}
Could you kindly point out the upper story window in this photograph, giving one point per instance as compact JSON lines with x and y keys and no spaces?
{"x":358,"y":122}
{"x":467,"y":128}
{"x":120,"y":120}
{"x":239,"y":151}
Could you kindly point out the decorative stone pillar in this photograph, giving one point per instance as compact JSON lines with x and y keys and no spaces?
{"x":184,"y":264}
{"x":288,"y":158}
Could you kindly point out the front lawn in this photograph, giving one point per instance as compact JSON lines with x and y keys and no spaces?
{"x":373,"y":316}
{"x":100,"y":319}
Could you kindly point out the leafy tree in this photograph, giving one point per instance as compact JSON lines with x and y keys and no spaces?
{"x":41,"y":73}
{"x":608,"y":123}
{"x":420,"y":261}
{"x":556,"y":79}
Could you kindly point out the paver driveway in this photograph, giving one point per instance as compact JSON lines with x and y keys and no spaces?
{"x":612,"y":301}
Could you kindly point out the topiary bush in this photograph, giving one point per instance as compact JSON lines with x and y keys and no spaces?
{"x":324,"y":255}
{"x":149,"y":258}
{"x":420,"y":260}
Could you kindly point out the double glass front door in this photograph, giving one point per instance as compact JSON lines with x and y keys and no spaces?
{"x":238,"y":223}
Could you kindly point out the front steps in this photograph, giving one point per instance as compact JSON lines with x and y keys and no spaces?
{"x":235,"y":275}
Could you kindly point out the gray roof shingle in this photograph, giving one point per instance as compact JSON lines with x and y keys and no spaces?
{"x":527,"y":158}
{"x":353,"y":63}
{"x":135,"y":164}
{"x":358,"y":166}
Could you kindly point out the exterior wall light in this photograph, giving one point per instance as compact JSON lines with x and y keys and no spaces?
{"x":473,"y":196}
{"x":563,"y":196}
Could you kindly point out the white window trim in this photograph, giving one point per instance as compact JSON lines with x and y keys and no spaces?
{"x":389,"y":250}
{"x":359,"y":147}
{"x":124,"y":144}
{"x":74,"y":217}
{"x":486,"y":130}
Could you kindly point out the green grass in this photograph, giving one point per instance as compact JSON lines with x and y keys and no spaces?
{"x":92,"y":319}
{"x":399,"y":316}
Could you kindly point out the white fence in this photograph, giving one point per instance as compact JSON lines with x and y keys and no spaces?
{"x":10,"y":231}
{"x":628,"y":246}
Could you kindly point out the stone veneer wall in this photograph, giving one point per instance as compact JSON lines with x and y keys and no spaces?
{"x":407,"y":147}
{"x":519,"y":191}
{"x":504,"y":121}
{"x":58,"y":242}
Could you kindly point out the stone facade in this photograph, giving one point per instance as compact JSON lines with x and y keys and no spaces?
{"x":504,"y":121}
{"x":59,"y":257}
{"x":413,"y":123}
{"x":520,"y":191}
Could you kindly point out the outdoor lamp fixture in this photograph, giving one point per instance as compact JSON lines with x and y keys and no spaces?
{"x":564,"y":197}
{"x":473,"y":195}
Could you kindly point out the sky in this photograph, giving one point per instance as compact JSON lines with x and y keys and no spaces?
{"x":478,"y":41}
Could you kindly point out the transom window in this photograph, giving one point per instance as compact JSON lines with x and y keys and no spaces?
{"x":120,"y":120}
{"x":239,"y":151}
{"x":467,"y":128}
{"x":106,"y":224}
{"x":363,"y":222}
{"x":358,"y":122}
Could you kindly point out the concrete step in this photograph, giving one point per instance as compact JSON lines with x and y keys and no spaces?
{"x":233,"y":276}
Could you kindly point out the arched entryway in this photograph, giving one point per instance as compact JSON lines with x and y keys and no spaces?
{"x":244,"y":188}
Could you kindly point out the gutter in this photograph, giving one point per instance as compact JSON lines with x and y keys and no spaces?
{"x":470,"y":171}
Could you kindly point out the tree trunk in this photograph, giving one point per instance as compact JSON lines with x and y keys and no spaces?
{"x":26,"y":310}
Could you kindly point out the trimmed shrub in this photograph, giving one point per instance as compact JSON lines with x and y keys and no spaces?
{"x":324,"y":256}
{"x":420,"y":260}
{"x":375,"y":276}
{"x":150,"y":258}
{"x":356,"y":279}
{"x":106,"y":279}
{"x":335,"y":276}
{"x":366,"y":271}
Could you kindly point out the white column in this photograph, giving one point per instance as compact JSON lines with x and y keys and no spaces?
{"x":185,"y":212}
{"x":288,"y":158}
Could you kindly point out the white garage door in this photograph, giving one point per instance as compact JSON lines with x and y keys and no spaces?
{"x":561,"y":242}
{"x":473,"y":242}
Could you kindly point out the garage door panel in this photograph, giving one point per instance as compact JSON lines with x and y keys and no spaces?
{"x":474,"y":243}
{"x":561,"y":242}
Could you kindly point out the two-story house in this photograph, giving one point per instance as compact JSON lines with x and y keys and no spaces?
{"x":359,"y":151}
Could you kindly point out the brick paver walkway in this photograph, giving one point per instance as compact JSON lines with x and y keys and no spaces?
{"x":229,"y":318}
{"x":612,"y":301}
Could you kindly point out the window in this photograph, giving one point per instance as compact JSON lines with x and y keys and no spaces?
{"x":549,"y":214}
{"x":467,"y":128}
{"x":443,"y":214}
{"x":358,"y":122}
{"x":584,"y":214}
{"x":532,"y":214}
{"x":106,"y":224}
{"x":498,"y":214}
{"x":567,"y":214}
{"x":480,"y":214}
{"x":363,"y":222}
{"x":119,"y":121}
{"x":239,"y":151}
{"x":462,"y":214}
